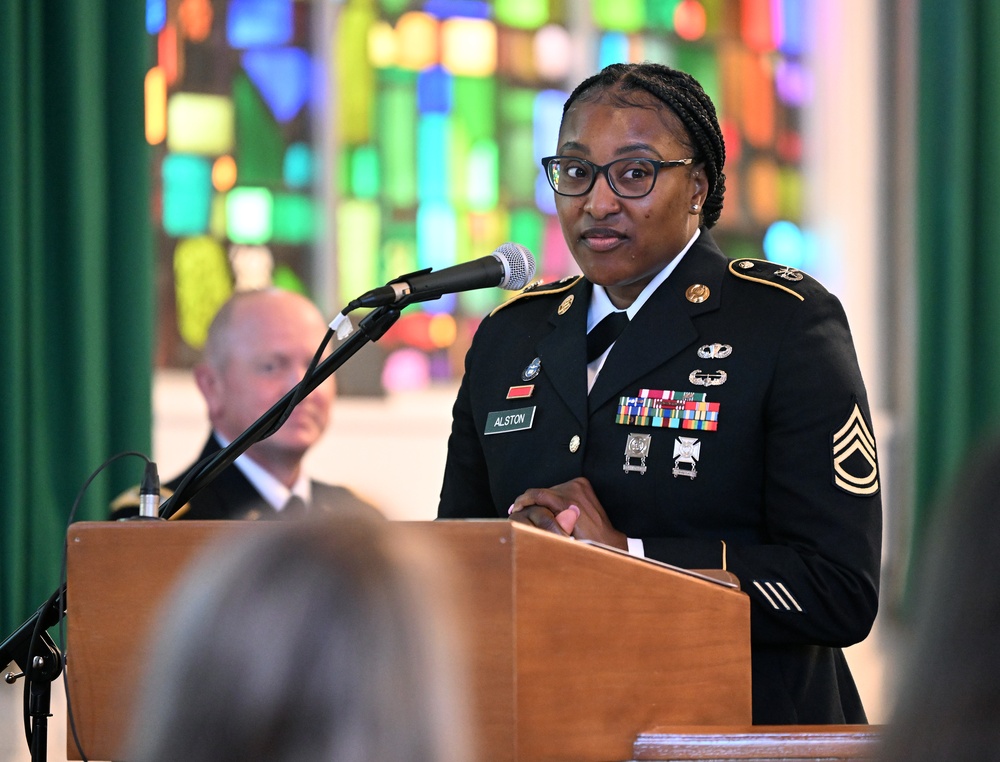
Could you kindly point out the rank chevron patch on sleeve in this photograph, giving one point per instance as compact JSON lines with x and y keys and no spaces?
{"x":855,"y":465}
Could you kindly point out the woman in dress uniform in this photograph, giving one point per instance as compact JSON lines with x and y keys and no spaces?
{"x":671,"y":402}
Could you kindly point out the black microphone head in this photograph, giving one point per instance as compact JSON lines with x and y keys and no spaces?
{"x":518,"y":265}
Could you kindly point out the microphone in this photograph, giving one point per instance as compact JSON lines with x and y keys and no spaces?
{"x":149,"y":493}
{"x":511,"y":266}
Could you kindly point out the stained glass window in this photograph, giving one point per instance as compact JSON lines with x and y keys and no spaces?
{"x":439,"y":114}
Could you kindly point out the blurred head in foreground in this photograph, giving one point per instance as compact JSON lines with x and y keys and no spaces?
{"x":313,"y":641}
{"x":948,"y":697}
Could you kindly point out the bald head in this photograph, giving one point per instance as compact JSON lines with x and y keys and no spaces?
{"x":259,"y":346}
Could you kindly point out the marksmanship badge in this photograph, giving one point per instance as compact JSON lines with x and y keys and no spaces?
{"x":687,"y":450}
{"x":637,"y":446}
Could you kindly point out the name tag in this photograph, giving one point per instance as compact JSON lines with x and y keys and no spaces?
{"x":503,"y":421}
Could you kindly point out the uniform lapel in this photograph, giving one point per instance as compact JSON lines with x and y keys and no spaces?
{"x":664,"y":326}
{"x":563,"y":352}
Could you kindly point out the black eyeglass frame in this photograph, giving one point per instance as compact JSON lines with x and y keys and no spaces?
{"x":603,"y":170}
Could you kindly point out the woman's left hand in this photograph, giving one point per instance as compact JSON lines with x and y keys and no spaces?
{"x":574,"y":508}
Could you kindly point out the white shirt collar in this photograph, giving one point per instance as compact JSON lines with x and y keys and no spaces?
{"x":600,"y":302}
{"x":601,"y":306}
{"x":273,"y":491}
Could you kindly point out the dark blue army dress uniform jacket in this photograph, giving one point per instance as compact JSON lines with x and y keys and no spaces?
{"x":729,"y":427}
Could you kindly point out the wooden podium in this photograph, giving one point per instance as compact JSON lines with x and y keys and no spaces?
{"x":576,"y":650}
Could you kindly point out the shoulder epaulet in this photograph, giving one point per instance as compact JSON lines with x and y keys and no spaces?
{"x":540,"y":289}
{"x":788,"y":279}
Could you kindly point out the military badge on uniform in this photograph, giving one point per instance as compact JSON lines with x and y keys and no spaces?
{"x":697,"y":293}
{"x":637,"y":446}
{"x":668,"y":410}
{"x":687,"y":451}
{"x":533,"y":369}
{"x":789,"y":273}
{"x":520,"y":392}
{"x":714,"y":351}
{"x":566,"y":304}
{"x":700,"y":378}
{"x":855,"y":465}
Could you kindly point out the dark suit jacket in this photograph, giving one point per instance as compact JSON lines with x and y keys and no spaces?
{"x":787,"y":479}
{"x":231,"y":496}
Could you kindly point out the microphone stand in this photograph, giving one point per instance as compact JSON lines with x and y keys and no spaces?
{"x":41,"y":665}
{"x":371,"y":328}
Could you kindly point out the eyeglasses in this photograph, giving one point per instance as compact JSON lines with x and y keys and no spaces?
{"x":629,"y":178}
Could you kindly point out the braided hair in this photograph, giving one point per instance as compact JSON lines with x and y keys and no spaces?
{"x":680,"y":92}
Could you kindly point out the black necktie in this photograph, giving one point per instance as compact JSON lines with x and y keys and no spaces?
{"x":295,"y":508}
{"x":603,"y":334}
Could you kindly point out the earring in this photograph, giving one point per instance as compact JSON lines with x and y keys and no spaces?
{"x":694,"y":207}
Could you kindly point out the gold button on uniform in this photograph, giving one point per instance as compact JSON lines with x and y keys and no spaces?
{"x":697,"y":293}
{"x":574,"y":443}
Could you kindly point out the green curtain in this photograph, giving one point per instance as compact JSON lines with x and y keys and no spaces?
{"x":76,"y":276}
{"x":958,"y":242}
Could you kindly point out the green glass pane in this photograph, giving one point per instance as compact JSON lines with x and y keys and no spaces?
{"x":518,"y":171}
{"x":392,"y":7}
{"x":364,"y":171}
{"x":358,"y":223}
{"x":527,"y":227}
{"x":260,"y":149}
{"x":619,"y":15}
{"x":285,"y":278}
{"x":702,"y":64}
{"x":659,"y":49}
{"x":790,"y":193}
{"x":397,"y":136}
{"x":399,"y":251}
{"x":294,"y":219}
{"x":523,"y":14}
{"x":660,"y":13}
{"x":187,"y":194}
{"x":248,"y":215}
{"x":517,"y":105}
{"x":474,"y":106}
{"x":343,"y":170}
{"x":482,"y":185}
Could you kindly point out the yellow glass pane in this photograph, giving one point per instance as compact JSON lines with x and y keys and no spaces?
{"x":200,"y":124}
{"x":469,"y":47}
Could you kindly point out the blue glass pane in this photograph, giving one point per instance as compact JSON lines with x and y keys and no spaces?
{"x":156,"y":15}
{"x":794,"y":34}
{"x":257,"y":23}
{"x":546,"y":117}
{"x":298,"y":166}
{"x":433,"y":168}
{"x":783,"y":244}
{"x":282,"y":77}
{"x":443,"y":9}
{"x":613,"y":49}
{"x":187,"y":194}
{"x":434,"y":91}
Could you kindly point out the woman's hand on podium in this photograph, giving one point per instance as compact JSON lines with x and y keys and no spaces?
{"x":569,"y":509}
